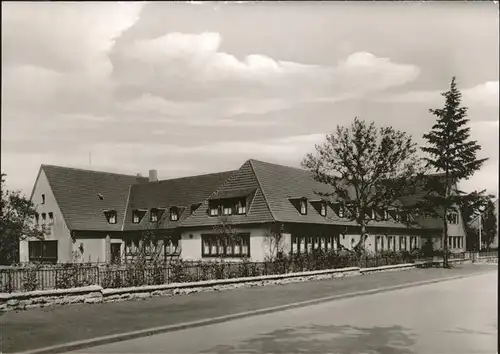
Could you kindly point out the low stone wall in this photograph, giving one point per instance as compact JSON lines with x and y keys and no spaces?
{"x":42,"y":298}
{"x":96,"y":294}
{"x":389,"y":268}
{"x":111,"y":295}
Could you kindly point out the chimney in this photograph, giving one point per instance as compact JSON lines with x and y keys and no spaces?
{"x":153,"y":176}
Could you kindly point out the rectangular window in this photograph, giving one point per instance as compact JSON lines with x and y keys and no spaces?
{"x":303,"y":207}
{"x":453,"y":218}
{"x":42,"y":199}
{"x":227,"y":210}
{"x":42,"y":251}
{"x":135,"y":217}
{"x":215,"y":246}
{"x":396,"y":215}
{"x":386,"y":215}
{"x":110,"y":216}
{"x":214,"y":210}
{"x":37,"y":219}
{"x":154,"y":215}
{"x":241,"y":208}
{"x":174,"y":216}
{"x":51,"y":218}
{"x":115,"y":253}
{"x":323,"y":209}
{"x":341,"y":211}
{"x":295,"y":247}
{"x":237,"y":247}
{"x":171,"y":246}
{"x":44,"y":219}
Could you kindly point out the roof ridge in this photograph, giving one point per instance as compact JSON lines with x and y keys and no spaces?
{"x":93,"y":171}
{"x":260,"y":187}
{"x":202,"y":175}
{"x":277,"y":164}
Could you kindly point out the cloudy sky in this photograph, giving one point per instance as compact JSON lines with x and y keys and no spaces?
{"x":198,"y":88}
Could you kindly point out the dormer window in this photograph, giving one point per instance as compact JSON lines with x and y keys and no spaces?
{"x":341,"y":210}
{"x":110,"y":216}
{"x":214,"y":210}
{"x":135,"y":217}
{"x":153,"y":215}
{"x":194,"y":207}
{"x":322,"y":211}
{"x":385,"y":215}
{"x":453,"y":218}
{"x":241,"y":207}
{"x":227,"y":210}
{"x":303,"y":206}
{"x":396,"y":215}
{"x":42,"y":201}
{"x":174,"y":214}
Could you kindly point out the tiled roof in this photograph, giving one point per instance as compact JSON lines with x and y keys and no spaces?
{"x":275,"y":188}
{"x":179,"y":192}
{"x":244,"y":180}
{"x":77,"y":194}
{"x":280,"y":183}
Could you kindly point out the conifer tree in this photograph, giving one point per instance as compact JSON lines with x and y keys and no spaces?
{"x":452,"y":154}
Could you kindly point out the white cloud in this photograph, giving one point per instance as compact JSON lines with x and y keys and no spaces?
{"x":187,"y":75}
{"x":55,"y":55}
{"x":192,"y":67}
{"x":291,"y":146}
{"x":485,"y":94}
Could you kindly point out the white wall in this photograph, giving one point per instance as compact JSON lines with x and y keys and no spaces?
{"x":59,"y":230}
{"x":93,"y":249}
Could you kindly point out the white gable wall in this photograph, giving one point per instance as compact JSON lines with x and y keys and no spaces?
{"x":59,"y":230}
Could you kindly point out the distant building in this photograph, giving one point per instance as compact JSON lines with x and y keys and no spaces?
{"x":474,"y":224}
{"x":101,"y":216}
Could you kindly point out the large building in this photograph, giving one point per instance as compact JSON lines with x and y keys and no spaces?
{"x":102,"y":217}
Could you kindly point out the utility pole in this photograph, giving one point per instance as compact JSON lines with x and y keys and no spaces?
{"x":480,"y":229}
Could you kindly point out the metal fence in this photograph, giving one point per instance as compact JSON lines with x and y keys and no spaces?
{"x":488,"y":253}
{"x":76,"y":275}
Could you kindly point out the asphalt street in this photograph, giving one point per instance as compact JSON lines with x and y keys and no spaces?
{"x":450,"y":317}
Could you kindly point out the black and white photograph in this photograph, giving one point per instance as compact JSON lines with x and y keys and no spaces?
{"x":242,"y":177}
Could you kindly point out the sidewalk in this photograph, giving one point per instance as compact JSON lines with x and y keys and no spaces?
{"x":38,"y":328}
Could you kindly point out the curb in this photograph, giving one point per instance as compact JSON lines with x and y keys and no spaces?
{"x":93,"y":342}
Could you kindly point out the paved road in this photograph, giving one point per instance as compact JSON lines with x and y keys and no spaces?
{"x":38,"y":328}
{"x":451,"y":317}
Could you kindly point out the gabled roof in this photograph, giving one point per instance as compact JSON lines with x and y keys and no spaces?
{"x":77,"y":194}
{"x":242,"y":183}
{"x":179,"y":192}
{"x":276,"y":187}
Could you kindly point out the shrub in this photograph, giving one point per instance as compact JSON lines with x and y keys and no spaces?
{"x":30,"y":279}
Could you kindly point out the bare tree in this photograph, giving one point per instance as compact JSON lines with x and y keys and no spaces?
{"x":275,"y":241}
{"x":367,"y":171}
